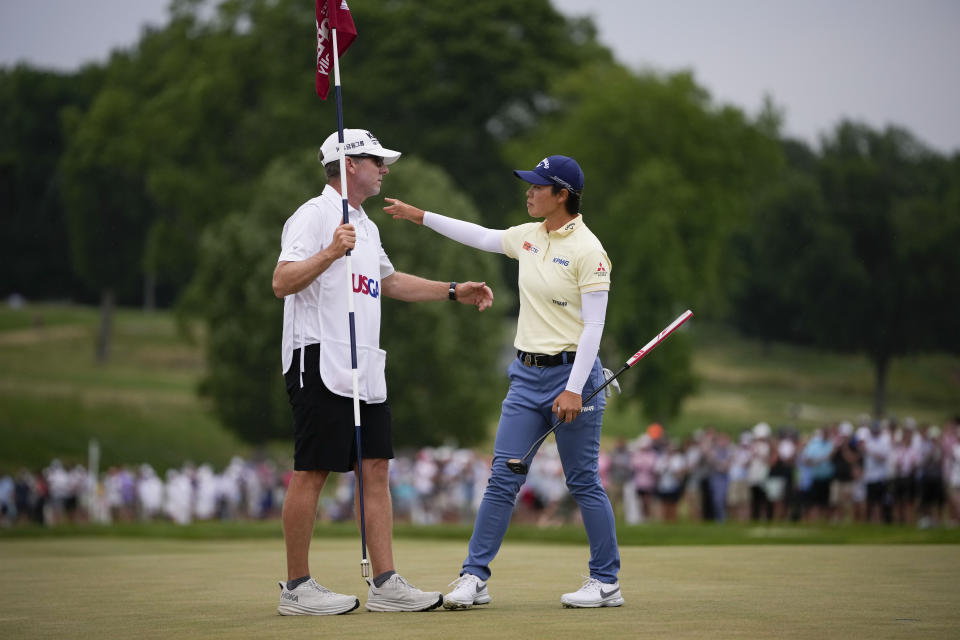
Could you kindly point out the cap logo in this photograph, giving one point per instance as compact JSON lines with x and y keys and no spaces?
{"x":545,"y":163}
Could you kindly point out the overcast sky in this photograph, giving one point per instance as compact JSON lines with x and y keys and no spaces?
{"x":878,"y":61}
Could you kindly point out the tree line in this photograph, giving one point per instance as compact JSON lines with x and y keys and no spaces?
{"x":163,"y":176}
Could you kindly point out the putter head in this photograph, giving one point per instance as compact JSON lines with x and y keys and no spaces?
{"x":364,"y":568}
{"x":518,"y":466}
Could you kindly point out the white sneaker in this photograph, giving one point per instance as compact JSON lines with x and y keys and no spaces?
{"x":312,"y":599}
{"x":593,"y":593}
{"x":468,"y":590}
{"x":396,"y":594}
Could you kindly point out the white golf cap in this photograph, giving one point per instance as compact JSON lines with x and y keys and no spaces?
{"x":761,"y":430}
{"x":357,"y":142}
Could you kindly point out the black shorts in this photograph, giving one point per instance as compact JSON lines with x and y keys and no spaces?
{"x":324,"y":432}
{"x":931,"y":491}
{"x":904,"y":489}
{"x":877,"y":492}
{"x":671,"y":497}
{"x":820,"y":492}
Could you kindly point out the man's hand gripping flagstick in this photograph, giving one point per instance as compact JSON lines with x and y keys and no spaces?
{"x":521,"y":466}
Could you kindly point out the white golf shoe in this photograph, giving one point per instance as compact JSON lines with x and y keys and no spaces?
{"x":396,"y":594}
{"x":468,"y":590}
{"x":312,"y":599}
{"x":593,"y":593}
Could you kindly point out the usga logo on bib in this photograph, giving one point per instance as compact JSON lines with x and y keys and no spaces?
{"x":366,"y":286}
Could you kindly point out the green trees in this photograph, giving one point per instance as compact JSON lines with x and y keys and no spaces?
{"x":889,"y":200}
{"x":460,"y":78}
{"x":856,"y":253}
{"x":788,"y":241}
{"x":106,"y":201}
{"x":231,"y":295}
{"x":36,"y":261}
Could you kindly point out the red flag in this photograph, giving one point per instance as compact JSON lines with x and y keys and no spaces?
{"x":330,"y":14}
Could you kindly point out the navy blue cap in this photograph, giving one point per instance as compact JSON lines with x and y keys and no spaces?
{"x":559,"y":170}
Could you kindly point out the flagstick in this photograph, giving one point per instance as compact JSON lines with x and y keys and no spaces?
{"x":364,"y":563}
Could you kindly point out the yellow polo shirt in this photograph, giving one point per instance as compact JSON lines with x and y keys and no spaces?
{"x":555,"y":268}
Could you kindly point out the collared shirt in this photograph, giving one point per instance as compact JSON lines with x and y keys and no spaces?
{"x":319,"y":313}
{"x":555,"y":268}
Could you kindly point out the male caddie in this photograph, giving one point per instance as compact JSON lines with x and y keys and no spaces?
{"x":311,"y":278}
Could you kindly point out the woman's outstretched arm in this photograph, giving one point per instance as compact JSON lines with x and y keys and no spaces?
{"x":467,"y":233}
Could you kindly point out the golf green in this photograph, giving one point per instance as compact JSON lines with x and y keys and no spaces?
{"x":150,"y":588}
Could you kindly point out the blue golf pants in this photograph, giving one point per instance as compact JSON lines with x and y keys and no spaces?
{"x":526,"y":415}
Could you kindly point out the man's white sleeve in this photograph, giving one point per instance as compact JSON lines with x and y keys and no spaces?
{"x":303,"y":234}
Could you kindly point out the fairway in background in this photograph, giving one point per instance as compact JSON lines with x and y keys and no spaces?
{"x":743,"y":382}
{"x":123,"y":588}
{"x":143,"y":405}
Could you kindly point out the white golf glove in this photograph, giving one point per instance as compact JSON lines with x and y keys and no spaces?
{"x":608,"y":391}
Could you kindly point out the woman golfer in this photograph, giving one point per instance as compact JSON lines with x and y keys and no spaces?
{"x":563,"y":283}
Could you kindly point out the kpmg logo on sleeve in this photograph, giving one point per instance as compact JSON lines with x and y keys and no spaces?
{"x":366,"y":286}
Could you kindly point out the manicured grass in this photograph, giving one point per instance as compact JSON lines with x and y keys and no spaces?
{"x":141,"y":406}
{"x":743,"y":382}
{"x":653,"y":534}
{"x":133,"y":588}
{"x":35,"y":430}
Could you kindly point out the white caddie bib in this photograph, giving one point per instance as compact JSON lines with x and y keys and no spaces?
{"x":335,"y":359}
{"x":319,"y":313}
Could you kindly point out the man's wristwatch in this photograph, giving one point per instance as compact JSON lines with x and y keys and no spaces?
{"x":452,"y":294}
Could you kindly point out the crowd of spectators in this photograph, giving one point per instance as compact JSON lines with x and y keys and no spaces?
{"x":877,"y":471}
{"x":429,"y":486}
{"x":59,"y":494}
